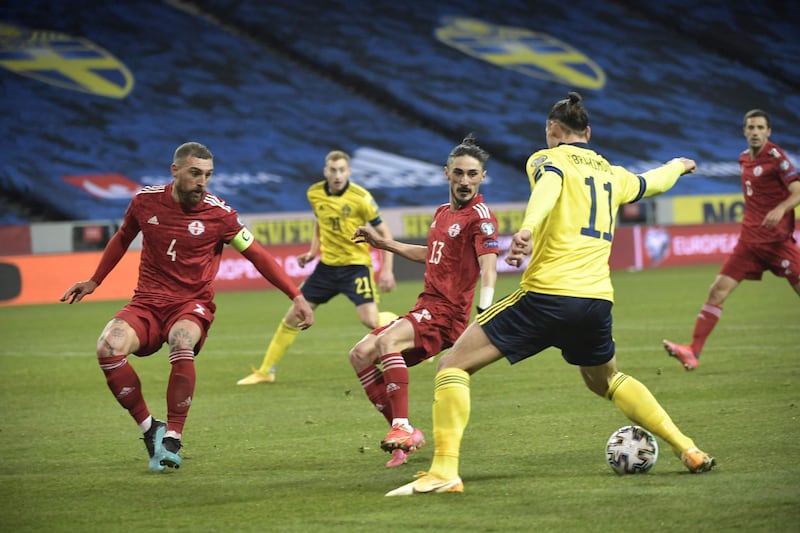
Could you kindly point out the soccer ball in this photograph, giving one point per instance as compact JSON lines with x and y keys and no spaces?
{"x":631,"y":450}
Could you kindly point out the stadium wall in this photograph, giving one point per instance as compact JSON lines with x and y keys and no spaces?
{"x":278,"y":228}
{"x":27,"y":279}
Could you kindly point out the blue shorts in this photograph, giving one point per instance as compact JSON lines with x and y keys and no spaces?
{"x":357,"y":282}
{"x":524,"y":323}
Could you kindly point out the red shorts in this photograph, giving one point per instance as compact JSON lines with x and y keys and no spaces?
{"x":436,"y":327}
{"x":751,"y":260}
{"x":152,"y":319}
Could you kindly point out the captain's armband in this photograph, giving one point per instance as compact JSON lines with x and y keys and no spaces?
{"x":243,"y":240}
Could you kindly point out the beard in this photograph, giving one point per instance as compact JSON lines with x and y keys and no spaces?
{"x":192,"y":197}
{"x":461,"y":199}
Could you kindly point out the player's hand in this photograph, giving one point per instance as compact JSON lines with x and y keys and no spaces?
{"x":366,"y":234}
{"x":689,"y":165}
{"x":302,"y":310}
{"x":78,"y":291}
{"x":305,"y":259}
{"x":772,"y":218}
{"x":386,"y":282}
{"x":515,"y":260}
{"x":360,"y":235}
{"x":521,"y":247}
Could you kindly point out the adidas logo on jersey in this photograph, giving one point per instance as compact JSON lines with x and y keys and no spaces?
{"x":153,"y":220}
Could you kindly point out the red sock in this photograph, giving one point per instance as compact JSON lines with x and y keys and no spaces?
{"x":372,"y":382}
{"x":124,"y":384}
{"x":395,"y":374}
{"x":180,"y":389}
{"x":704,"y":325}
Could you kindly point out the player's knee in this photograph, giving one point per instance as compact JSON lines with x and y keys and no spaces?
{"x":184,"y":335}
{"x":717,"y":295}
{"x":111,"y":343}
{"x":722,"y":287}
{"x":118,"y":338}
{"x":385,"y":344}
{"x":361,"y":356}
{"x":104,"y":349}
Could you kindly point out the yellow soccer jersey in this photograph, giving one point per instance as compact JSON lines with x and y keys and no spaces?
{"x":338,"y":217}
{"x":572,"y":245}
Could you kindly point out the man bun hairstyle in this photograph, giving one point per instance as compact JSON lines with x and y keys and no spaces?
{"x":570,"y":113}
{"x":469,"y":146}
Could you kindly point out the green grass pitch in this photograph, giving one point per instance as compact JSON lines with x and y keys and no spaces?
{"x":302,"y":454}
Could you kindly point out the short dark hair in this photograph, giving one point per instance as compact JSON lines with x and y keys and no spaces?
{"x":570,"y":113}
{"x":755,"y":113}
{"x":469,"y":147}
{"x":191,"y":149}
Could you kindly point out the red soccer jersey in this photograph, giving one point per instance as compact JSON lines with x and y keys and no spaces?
{"x":455,"y":241}
{"x":181,"y":246}
{"x":765,"y":181}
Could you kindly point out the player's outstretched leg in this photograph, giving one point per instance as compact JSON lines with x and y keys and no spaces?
{"x":682,"y":353}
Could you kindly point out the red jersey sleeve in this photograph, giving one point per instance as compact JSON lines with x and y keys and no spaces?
{"x":270,"y":269}
{"x":485,"y":231}
{"x":117,"y":246}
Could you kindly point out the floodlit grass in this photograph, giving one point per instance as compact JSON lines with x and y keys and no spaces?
{"x":302,"y":454}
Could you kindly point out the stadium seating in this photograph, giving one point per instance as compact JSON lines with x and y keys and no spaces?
{"x":756,"y":34}
{"x":271,"y":87}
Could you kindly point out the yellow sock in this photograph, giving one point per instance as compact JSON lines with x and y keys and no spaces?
{"x":451,"y":408}
{"x":281,"y":341}
{"x":638,"y":404}
{"x":385,"y":317}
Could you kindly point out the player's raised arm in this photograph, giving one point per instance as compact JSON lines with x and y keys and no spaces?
{"x":412,"y":252}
